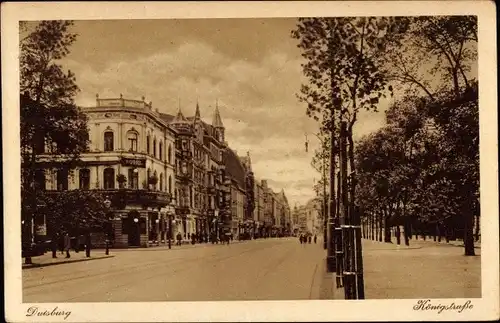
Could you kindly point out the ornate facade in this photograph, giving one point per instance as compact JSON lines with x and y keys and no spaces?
{"x":200,"y":175}
{"x":166,"y":174}
{"x":131,"y":161}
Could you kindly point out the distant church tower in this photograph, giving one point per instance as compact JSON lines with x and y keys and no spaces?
{"x":218,"y":126}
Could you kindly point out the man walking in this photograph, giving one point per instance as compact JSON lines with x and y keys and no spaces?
{"x":315,"y":238}
{"x":67,"y":244}
{"x":88,"y":244}
{"x":53,"y":244}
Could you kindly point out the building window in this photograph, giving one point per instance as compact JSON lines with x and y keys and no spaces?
{"x":108,"y":141}
{"x":86,"y":136}
{"x":132,"y":141}
{"x":133,"y":179}
{"x":148,"y":147}
{"x":109,"y":178}
{"x":62,"y":179}
{"x":160,"y":151}
{"x":40,"y":179}
{"x":154,"y":148}
{"x":84,"y":176}
{"x":191,"y":196}
{"x":170,"y":184}
{"x":161,"y":182}
{"x":169,"y":154}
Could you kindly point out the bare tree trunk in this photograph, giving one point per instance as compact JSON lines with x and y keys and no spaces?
{"x":387,"y":229}
{"x":372,"y":224}
{"x":468,"y":229}
{"x":380,"y":227}
{"x":478,"y":225}
{"x":398,"y":234}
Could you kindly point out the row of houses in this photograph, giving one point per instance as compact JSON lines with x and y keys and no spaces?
{"x":166,"y":175}
{"x":307,"y":218}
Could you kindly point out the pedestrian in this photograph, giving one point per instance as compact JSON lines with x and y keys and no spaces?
{"x":309,"y":239}
{"x":88,"y":244}
{"x":315,"y":238}
{"x":60,"y":242}
{"x":300,"y":238}
{"x":193,"y":238}
{"x":67,"y":244}
{"x":179,"y":238}
{"x":53,"y":244}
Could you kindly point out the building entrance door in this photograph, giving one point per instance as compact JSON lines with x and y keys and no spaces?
{"x":134,"y":236}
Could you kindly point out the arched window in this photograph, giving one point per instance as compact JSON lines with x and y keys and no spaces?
{"x":155,"y":176}
{"x":169,"y":154}
{"x":132,"y":140}
{"x":84,"y":175}
{"x":160,"y":151}
{"x":154,"y":147}
{"x":148,"y":147}
{"x":170,"y":184}
{"x":161,"y":182}
{"x":109,"y":178}
{"x":108,"y":141}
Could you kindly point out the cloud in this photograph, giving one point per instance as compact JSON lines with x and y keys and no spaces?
{"x":256,"y":100}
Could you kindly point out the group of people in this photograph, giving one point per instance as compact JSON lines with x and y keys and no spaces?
{"x":306,"y":238}
{"x":62,"y":241}
{"x":193,"y":237}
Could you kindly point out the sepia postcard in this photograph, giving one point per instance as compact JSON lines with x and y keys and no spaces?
{"x":250,"y":161}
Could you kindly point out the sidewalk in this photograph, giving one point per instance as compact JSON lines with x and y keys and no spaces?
{"x":425,"y":269}
{"x":47,"y":260}
{"x":422,"y":270}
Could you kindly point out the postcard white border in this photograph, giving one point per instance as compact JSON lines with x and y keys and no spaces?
{"x":484,"y":308}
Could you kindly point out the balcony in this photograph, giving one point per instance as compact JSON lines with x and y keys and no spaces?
{"x":182,"y":210}
{"x":184,"y":177}
{"x":186,"y":154}
{"x":122,"y":197}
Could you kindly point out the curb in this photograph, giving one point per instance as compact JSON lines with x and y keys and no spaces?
{"x":63,"y":262}
{"x":183,"y":247}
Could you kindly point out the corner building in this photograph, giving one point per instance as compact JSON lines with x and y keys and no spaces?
{"x":130,"y":161}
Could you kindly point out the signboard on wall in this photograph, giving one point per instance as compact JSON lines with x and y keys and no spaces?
{"x":134,"y":162}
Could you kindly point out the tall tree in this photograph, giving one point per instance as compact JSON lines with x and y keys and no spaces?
{"x":52,"y":126}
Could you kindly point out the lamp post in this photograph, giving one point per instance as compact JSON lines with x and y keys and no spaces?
{"x":171,"y":221}
{"x":324,"y":206}
{"x":107,"y":205}
{"x":157,"y":221}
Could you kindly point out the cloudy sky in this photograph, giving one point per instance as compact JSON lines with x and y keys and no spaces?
{"x":252,"y":66}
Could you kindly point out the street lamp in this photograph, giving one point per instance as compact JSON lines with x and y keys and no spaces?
{"x":156,"y":231}
{"x":107,"y":205}
{"x":171,"y":222}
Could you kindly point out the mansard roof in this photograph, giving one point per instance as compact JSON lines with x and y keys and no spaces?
{"x":234,"y":167}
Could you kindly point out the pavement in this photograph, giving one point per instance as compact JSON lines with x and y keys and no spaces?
{"x":47,"y":260}
{"x":264,"y":269}
{"x":425,"y":269}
